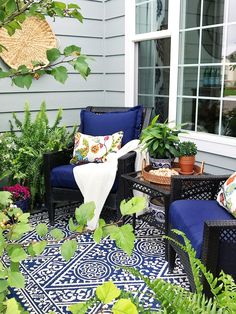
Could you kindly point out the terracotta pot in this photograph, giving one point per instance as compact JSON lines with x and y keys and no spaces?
{"x":186,"y":164}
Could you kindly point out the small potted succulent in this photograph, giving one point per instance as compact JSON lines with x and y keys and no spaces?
{"x":187,"y":151}
{"x":20,"y":195}
{"x":161,"y":142}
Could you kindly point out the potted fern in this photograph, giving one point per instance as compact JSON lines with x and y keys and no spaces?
{"x":187,"y":151}
{"x":161,"y":141}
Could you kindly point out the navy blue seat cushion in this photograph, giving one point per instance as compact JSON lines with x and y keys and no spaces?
{"x":189,"y":216}
{"x":63,"y":177}
{"x":110,"y":122}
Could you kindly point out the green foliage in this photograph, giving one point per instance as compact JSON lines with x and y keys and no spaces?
{"x":136,"y":204}
{"x":23,"y":153}
{"x":68,"y":249}
{"x":124,"y":306}
{"x":160,"y":139}
{"x":84,"y":213}
{"x":57,"y":234}
{"x":107,"y":292}
{"x":187,"y":148}
{"x":13,"y":13}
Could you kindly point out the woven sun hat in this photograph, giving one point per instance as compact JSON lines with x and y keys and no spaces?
{"x":28,"y":44}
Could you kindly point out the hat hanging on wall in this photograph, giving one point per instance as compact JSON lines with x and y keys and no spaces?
{"x":28,"y":44}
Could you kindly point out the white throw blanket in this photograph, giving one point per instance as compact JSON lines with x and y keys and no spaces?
{"x":95,"y":180}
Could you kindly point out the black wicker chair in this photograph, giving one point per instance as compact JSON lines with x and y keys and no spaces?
{"x":55,"y":195}
{"x":218,"y":248}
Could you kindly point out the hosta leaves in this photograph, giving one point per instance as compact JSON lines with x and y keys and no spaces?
{"x":84,"y":213}
{"x":98,"y":233}
{"x":60,"y":74}
{"x":124,"y":238}
{"x":12,"y":306}
{"x":41,"y":229}
{"x":124,"y":306}
{"x":107,"y":292}
{"x":57,"y":234}
{"x":16,"y":279}
{"x":79,"y":308}
{"x":133,"y":206}
{"x":53,"y":54}
{"x":68,"y":249}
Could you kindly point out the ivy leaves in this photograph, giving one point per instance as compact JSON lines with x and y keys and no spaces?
{"x":59,"y":62}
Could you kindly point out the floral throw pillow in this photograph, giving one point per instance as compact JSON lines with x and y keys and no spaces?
{"x":89,"y":148}
{"x":227,"y":195}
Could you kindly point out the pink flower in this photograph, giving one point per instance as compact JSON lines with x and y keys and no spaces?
{"x":18,"y":192}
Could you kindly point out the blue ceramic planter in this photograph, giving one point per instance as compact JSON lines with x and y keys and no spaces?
{"x":23,"y":204}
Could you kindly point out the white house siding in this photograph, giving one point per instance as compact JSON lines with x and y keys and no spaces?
{"x":103,"y":21}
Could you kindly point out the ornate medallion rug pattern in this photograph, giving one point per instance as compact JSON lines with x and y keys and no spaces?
{"x":53,"y":284}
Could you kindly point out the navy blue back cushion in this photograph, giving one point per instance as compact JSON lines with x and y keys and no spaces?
{"x":110,"y":122}
{"x":189,"y":216}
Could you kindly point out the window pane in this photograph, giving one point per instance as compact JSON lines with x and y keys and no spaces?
{"x":146,"y":53}
{"x":162,"y":52}
{"x":213,"y":12}
{"x":231,"y":44}
{"x":229,"y":118}
{"x":143,"y":18}
{"x":161,"y":108}
{"x":190,"y":13}
{"x":162,"y":78}
{"x":212,"y":45}
{"x":145,"y":81}
{"x":187,"y":108}
{"x":232,"y":10}
{"x":188,"y":77}
{"x":151,"y":16}
{"x":208,"y":115}
{"x":146,"y":101}
{"x":190,"y":42}
{"x":210,"y":81}
{"x":230,"y":81}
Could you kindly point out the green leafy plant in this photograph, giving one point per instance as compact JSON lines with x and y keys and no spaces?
{"x":23,"y":152}
{"x":187,"y":148}
{"x":14,"y":224}
{"x":14,"y":12}
{"x":160,"y":139}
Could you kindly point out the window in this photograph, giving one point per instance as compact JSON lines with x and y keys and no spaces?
{"x":154,"y":75}
{"x":151,"y":15}
{"x":207,"y":66}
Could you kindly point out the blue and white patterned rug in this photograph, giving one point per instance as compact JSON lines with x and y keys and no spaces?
{"x":53,"y":284}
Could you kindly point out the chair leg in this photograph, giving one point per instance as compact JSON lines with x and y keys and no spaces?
{"x":171,"y":257}
{"x":51,"y":213}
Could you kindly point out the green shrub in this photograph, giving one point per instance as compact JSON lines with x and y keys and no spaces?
{"x":23,"y":151}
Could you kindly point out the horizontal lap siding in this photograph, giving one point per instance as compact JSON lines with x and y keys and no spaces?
{"x":76,"y":93}
{"x":114,"y":52}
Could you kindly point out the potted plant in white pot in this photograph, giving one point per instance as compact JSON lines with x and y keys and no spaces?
{"x":161,"y":141}
{"x":187,"y":151}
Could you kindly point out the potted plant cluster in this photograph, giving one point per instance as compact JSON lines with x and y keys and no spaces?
{"x":187,"y":151}
{"x":20,"y":195}
{"x":161,"y":141}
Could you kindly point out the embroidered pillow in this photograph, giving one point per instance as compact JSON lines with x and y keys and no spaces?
{"x":89,"y":148}
{"x":227,"y":195}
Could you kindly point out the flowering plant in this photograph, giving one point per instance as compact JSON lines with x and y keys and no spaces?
{"x":18,"y":192}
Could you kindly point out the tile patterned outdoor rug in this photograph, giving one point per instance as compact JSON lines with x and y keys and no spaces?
{"x":53,"y":284}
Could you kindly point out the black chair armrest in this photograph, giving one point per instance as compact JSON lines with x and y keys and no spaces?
{"x":202,"y":187}
{"x":125,"y":165}
{"x":219,"y":246}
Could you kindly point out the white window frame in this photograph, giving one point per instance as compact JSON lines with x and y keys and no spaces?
{"x":215,"y":144}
